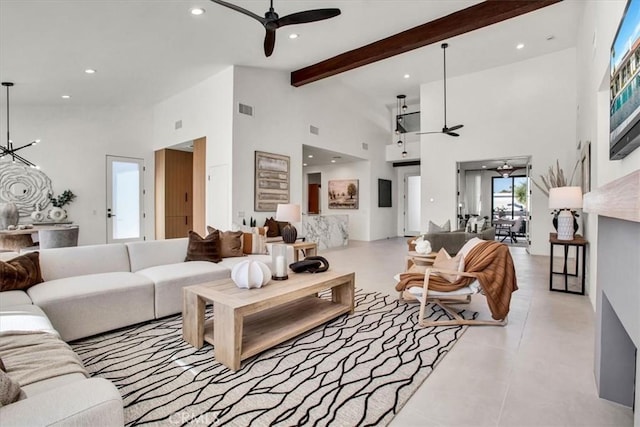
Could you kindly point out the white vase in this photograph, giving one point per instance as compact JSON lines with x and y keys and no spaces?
{"x":37,"y":215}
{"x":8,"y":215}
{"x":57,"y":214}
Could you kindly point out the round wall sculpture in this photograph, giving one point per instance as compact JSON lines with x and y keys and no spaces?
{"x":25,"y":186}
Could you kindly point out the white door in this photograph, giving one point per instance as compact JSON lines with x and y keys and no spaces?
{"x":124,"y":199}
{"x":411,"y":205}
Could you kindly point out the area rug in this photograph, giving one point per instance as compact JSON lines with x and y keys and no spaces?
{"x":357,"y":370}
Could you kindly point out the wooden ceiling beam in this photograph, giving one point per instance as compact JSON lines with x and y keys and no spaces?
{"x":460,"y":22}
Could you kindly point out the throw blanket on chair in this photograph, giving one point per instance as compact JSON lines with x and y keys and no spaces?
{"x":36,"y":356}
{"x":492,"y":264}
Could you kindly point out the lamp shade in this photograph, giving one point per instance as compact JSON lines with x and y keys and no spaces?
{"x":565,"y":198}
{"x":288,"y":212}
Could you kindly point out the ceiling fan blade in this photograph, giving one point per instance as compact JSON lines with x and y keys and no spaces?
{"x":456,"y":127}
{"x":452,"y":134}
{"x":269,"y":41}
{"x":307,"y":16}
{"x":427,"y":133}
{"x":241,"y":10}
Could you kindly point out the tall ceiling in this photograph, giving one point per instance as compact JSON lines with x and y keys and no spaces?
{"x":145,"y":51}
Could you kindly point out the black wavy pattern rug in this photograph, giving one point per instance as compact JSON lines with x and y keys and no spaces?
{"x":357,"y":370}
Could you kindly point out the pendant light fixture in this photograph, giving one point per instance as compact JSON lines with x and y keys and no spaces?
{"x":9,"y":150}
{"x":506,"y":169}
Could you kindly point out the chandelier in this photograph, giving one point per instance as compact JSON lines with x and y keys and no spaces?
{"x":506,"y":170}
{"x":10,"y":150}
{"x":401,"y":105}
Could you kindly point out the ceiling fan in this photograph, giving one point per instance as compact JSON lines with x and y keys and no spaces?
{"x":271,"y":21}
{"x":506,"y":169}
{"x":446,"y":130}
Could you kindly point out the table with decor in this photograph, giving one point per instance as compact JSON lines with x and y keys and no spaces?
{"x":22,"y":236}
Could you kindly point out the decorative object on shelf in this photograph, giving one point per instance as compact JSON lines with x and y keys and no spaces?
{"x":271,"y":181}
{"x":343,"y":194}
{"x":56,"y":213}
{"x":10,"y":150}
{"x":565,"y":199}
{"x":9,"y":215}
{"x":37,"y":215}
{"x":279,"y":262}
{"x":446,"y":130}
{"x":288,"y":213}
{"x":554,"y":178}
{"x":25,"y":186}
{"x":271,"y":21}
{"x":250,"y":274}
{"x":423,"y":246}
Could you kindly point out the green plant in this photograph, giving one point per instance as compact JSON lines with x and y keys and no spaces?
{"x":520,"y":193}
{"x":66,"y":197}
{"x":554,"y":178}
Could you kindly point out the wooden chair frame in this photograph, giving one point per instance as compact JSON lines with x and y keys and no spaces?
{"x":444,"y":302}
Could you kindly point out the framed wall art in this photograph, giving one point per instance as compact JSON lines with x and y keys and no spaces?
{"x":271,"y":181}
{"x":343,"y":194}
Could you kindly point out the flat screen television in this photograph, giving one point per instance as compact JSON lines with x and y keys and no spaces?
{"x":624,"y":119}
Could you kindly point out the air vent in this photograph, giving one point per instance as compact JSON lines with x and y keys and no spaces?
{"x":245,"y":109}
{"x":314,"y":130}
{"x":365,"y":146}
{"x":178,"y":124}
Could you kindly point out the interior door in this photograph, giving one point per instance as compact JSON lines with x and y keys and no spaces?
{"x":125,"y":214}
{"x":411,"y":205}
{"x":314,"y":199}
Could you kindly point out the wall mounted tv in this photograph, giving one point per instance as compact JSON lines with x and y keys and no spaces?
{"x":624,"y":119}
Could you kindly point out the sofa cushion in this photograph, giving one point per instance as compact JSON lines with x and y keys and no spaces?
{"x":204,"y":248}
{"x":52,"y":383}
{"x":156,"y":252}
{"x":230,"y":242}
{"x":10,"y":390}
{"x":435,"y":228}
{"x":169,"y":280}
{"x":87,"y":305}
{"x":59,"y":263}
{"x":445,"y":261}
{"x":254,"y":243}
{"x":20,"y":273}
{"x":273,"y":230}
{"x":11,"y":298}
{"x":27,"y":317}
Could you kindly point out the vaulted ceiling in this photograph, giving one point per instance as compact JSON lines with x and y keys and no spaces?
{"x":145,"y":51}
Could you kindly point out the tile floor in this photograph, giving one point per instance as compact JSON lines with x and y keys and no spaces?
{"x":536,"y":371}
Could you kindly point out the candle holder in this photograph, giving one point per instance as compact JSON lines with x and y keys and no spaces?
{"x":279,"y":262}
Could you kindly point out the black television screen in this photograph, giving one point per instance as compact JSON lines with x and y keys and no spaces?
{"x":624,"y":121}
{"x":384,"y":193}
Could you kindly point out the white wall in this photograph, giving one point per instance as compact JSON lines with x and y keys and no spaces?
{"x":535,"y":117}
{"x":282,"y":116}
{"x":206,"y":110}
{"x":75,"y":143}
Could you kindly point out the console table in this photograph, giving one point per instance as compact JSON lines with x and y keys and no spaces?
{"x":580,"y":243}
{"x":306,"y":248}
{"x":14,"y":240}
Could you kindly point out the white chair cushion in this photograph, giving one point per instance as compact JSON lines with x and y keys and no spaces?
{"x":473,"y":288}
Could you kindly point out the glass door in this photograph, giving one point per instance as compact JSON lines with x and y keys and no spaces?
{"x":510,"y":208}
{"x":124,"y":199}
{"x":411,"y":205}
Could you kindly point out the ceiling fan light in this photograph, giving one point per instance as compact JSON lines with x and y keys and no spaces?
{"x":399,"y":143}
{"x":404,"y":154}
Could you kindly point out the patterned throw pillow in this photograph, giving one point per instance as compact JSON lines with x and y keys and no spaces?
{"x":230,"y":242}
{"x":204,"y":249}
{"x":254,"y":243}
{"x":21,"y":272}
{"x":443,"y":260}
{"x":435,"y":228}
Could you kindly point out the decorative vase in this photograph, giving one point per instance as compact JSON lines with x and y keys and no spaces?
{"x":8,"y":215}
{"x":250,"y":274}
{"x":37,"y":215}
{"x":57,"y":214}
{"x":555,"y":222}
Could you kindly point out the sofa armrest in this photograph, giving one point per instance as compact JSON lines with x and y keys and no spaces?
{"x":94,"y":401}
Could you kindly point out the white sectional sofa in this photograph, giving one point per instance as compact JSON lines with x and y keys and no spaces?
{"x":88,"y":290}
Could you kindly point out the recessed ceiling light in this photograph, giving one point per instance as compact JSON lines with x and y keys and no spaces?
{"x":310,"y":156}
{"x":304,"y":164}
{"x":520,"y":46}
{"x":293,"y":36}
{"x":66,"y":96}
{"x":90,"y":71}
{"x":196,"y":11}
{"x":333,"y":160}
{"x":406,"y":76}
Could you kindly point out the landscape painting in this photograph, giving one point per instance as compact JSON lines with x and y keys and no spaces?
{"x":343,"y":194}
{"x":272,"y":181}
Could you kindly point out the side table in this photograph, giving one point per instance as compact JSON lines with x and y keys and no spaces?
{"x":580,"y":243}
{"x":307,"y":249}
{"x":424,"y":259}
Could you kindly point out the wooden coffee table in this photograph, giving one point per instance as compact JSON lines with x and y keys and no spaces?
{"x":249,"y":321}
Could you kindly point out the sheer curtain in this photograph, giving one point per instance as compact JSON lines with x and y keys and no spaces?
{"x":473,"y":192}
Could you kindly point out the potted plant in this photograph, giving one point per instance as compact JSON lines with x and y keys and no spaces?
{"x":57,"y":213}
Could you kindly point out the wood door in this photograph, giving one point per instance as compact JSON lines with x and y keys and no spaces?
{"x":314,"y":199}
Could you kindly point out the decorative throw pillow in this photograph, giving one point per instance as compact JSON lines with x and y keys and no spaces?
{"x":230,"y":242}
{"x":435,"y":228}
{"x":9,"y":390}
{"x":254,"y":243}
{"x":204,"y":249}
{"x":273,"y":230}
{"x":443,"y":260}
{"x":21,"y":272}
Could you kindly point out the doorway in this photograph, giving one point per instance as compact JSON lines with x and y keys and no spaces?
{"x":124,"y":199}
{"x":412,"y":204}
{"x":314,"y":181}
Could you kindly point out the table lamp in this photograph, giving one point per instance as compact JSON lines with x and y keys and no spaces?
{"x":565,"y":199}
{"x":288,"y":213}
